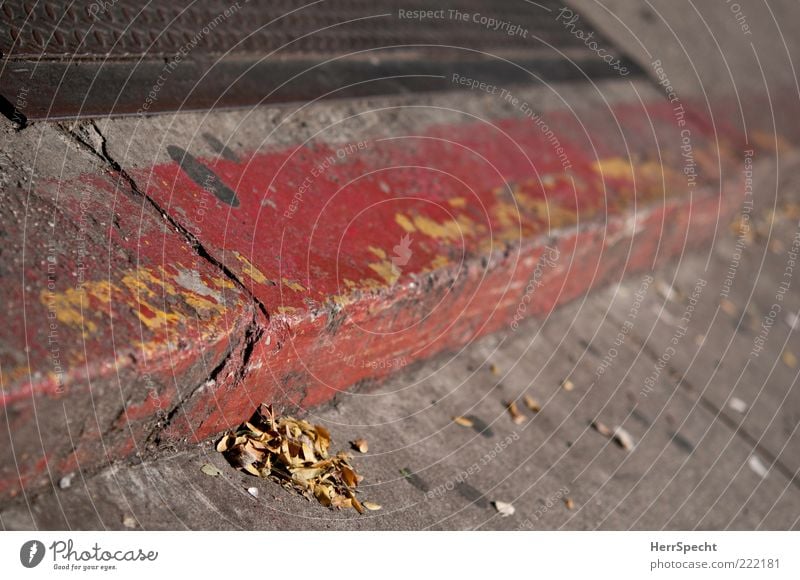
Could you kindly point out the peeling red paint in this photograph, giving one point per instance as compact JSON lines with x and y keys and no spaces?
{"x":393,"y":252}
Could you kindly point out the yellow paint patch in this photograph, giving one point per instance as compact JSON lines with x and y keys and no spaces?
{"x":453,"y":229}
{"x":386,"y":270}
{"x":200,"y":304}
{"x":439,"y":262}
{"x":250,"y":270}
{"x":614,"y":167}
{"x":71,"y":307}
{"x":457,"y":202}
{"x":158,"y":319}
{"x":140,"y":281}
{"x":555,"y":216}
{"x":377,"y":251}
{"x":222,"y":283}
{"x":405,"y":223}
{"x":296,"y":286}
{"x":138,"y":290}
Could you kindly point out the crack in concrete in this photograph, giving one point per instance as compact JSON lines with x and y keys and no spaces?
{"x":89,"y":137}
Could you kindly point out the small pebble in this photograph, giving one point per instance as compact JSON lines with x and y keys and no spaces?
{"x":757,"y":466}
{"x":66,"y":481}
{"x":253,"y":491}
{"x":129,"y":521}
{"x":737,"y":405}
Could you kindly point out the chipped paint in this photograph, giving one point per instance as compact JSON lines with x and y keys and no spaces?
{"x":614,"y":167}
{"x":405,"y":223}
{"x":452,"y":229}
{"x":386,"y":270}
{"x":377,"y":251}
{"x":293,"y":285}
{"x":250,"y":270}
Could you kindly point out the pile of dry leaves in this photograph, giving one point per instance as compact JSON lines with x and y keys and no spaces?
{"x":294,"y":453}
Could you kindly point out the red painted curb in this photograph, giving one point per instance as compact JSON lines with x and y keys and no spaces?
{"x":327,"y":265}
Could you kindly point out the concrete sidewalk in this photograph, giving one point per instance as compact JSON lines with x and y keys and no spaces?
{"x":162,"y":276}
{"x":702,"y":459}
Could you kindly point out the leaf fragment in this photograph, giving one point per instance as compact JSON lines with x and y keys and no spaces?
{"x":504,"y":509}
{"x":516,"y":416}
{"x":211,"y":470}
{"x":532,"y":404}
{"x":623,"y":438}
{"x":295,"y":454}
{"x":360,"y":445}
{"x":602,"y":428}
{"x":371,"y":506}
{"x":463,"y":421}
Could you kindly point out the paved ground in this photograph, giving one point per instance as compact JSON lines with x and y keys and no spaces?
{"x":714,"y":425}
{"x":698,"y":364}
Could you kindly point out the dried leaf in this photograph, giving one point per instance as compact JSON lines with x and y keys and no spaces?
{"x":360,"y":445}
{"x":209,"y":469}
{"x":516,"y":416}
{"x":569,"y":503}
{"x":373,"y":507}
{"x":602,"y":428}
{"x":532,"y":404}
{"x":503,"y":508}
{"x":293,"y":453}
{"x":493,"y":369}
{"x":463,"y":421}
{"x":623,"y":438}
{"x":224,"y":443}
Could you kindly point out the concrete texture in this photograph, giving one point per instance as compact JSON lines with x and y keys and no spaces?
{"x":690,"y":468}
{"x":165,"y":275}
{"x":388,"y":231}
